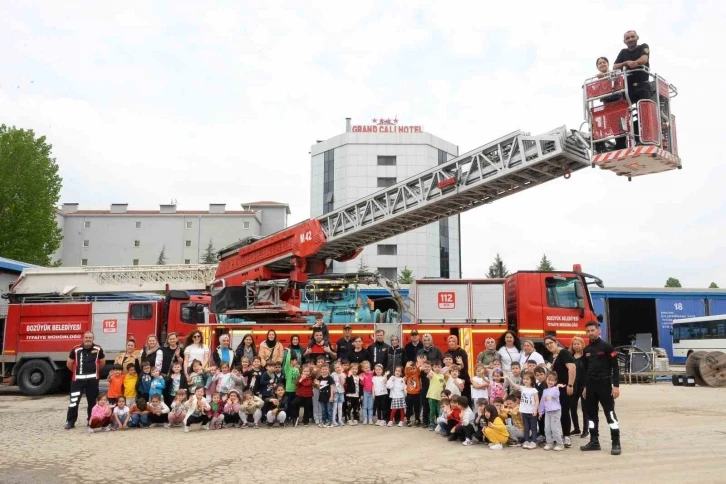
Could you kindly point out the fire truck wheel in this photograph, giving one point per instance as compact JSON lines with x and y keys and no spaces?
{"x":36,"y":377}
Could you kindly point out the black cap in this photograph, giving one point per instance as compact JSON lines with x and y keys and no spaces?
{"x":347,"y":326}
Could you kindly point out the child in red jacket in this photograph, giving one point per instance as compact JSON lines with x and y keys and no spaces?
{"x":303,"y":397}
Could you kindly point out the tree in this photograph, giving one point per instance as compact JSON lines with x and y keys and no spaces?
{"x":713,"y":285}
{"x":498,"y":269}
{"x":209,"y":256}
{"x":406,"y":276}
{"x":545,"y":264}
{"x":29,"y":192}
{"x":362,"y":268}
{"x":673,"y":282}
{"x":162,"y":257}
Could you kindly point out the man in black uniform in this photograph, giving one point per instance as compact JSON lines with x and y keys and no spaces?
{"x":635,"y":57}
{"x":602,"y":381}
{"x":345,"y":344}
{"x":85,"y":362}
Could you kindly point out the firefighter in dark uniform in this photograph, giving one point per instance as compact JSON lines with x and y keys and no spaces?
{"x":602,"y":381}
{"x":85,"y":362}
{"x":635,"y":57}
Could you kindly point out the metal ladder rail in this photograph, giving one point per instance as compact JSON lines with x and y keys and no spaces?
{"x":498,"y":169}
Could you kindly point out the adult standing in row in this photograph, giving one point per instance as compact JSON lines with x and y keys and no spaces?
{"x":152,"y":353}
{"x":431,"y":352}
{"x":345,"y":344}
{"x":529,"y":353}
{"x":223,"y":353}
{"x":412,"y":348}
{"x":563,"y":364}
{"x":577,"y":347}
{"x":379,"y":350}
{"x":85,"y":362}
{"x":489,"y":355}
{"x":509,"y":349}
{"x":246,"y":349}
{"x":195,"y":349}
{"x":271,"y":349}
{"x":131,"y":355}
{"x":358,"y":354}
{"x":395,"y":356}
{"x":173,"y":352}
{"x":461,"y":358}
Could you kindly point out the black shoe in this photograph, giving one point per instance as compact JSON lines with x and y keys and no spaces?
{"x":616,"y":450}
{"x":452,"y":438}
{"x":592,"y":445}
{"x":584,"y":433}
{"x":69,"y":426}
{"x":575,"y":431}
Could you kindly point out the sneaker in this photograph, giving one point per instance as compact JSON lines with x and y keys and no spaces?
{"x":269,"y":425}
{"x":306,"y":425}
{"x":205,"y":426}
{"x":351,"y":422}
{"x":575,"y":431}
{"x":467,"y":442}
{"x":244,"y":425}
{"x":401,"y":424}
{"x":452,"y":438}
{"x":297,"y":421}
{"x":432,"y":427}
{"x":370,"y":422}
{"x":320,"y":425}
{"x":90,"y":430}
{"x":568,"y":442}
{"x":409,"y":424}
{"x":513,"y":443}
{"x":186,"y":428}
{"x":257,"y":426}
{"x":355,"y":422}
{"x":283,"y":425}
{"x":559,"y":448}
{"x":107,"y":428}
{"x":496,"y":447}
{"x":547,"y":447}
{"x":417,"y":424}
{"x":592,"y":445}
{"x":327,"y":425}
{"x":69,"y":426}
{"x":167,"y":425}
{"x":334,"y":424}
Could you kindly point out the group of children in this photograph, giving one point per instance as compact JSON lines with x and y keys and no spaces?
{"x":520,"y":408}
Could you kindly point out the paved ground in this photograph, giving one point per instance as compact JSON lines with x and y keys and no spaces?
{"x":670,"y":434}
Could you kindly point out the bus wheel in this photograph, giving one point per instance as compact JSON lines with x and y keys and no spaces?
{"x":36,"y":377}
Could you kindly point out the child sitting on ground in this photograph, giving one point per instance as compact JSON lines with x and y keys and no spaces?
{"x":215,"y":412}
{"x":121,"y":415}
{"x":158,"y":410}
{"x":444,"y":412}
{"x":139,"y":413}
{"x":178,"y":411}
{"x":454,"y":417}
{"x":251,"y":407}
{"x":100,"y":415}
{"x":513,"y":420}
{"x":197,"y":407}
{"x":464,"y":430}
{"x":480,"y":421}
{"x":275,"y":408}
{"x":495,"y":431}
{"x":231,"y":409}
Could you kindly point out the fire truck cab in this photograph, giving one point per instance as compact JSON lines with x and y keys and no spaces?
{"x":631,"y":139}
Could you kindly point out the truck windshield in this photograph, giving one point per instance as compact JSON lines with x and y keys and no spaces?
{"x":193,"y":313}
{"x":561,"y":292}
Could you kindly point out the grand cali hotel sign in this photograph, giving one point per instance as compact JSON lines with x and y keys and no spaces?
{"x":386,"y":125}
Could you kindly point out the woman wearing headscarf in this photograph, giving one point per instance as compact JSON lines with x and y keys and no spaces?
{"x":431,"y":352}
{"x":489,"y":355}
{"x":271,"y":349}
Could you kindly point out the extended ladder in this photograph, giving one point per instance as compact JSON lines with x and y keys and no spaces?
{"x":109,"y":279}
{"x":503,"y":167}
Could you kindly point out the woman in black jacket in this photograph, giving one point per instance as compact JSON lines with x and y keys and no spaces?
{"x":395,"y":355}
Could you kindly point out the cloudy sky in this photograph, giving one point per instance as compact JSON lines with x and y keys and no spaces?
{"x":145,"y":102}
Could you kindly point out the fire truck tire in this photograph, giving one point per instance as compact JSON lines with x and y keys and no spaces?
{"x":36,"y":377}
{"x":61,"y":382}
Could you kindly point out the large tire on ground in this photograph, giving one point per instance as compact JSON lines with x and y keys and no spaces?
{"x":36,"y":377}
{"x":61,"y":383}
{"x":692,"y":367}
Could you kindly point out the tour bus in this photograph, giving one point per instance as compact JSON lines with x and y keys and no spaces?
{"x":707,"y":333}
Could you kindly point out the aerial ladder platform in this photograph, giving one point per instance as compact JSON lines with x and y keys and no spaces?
{"x":66,"y":281}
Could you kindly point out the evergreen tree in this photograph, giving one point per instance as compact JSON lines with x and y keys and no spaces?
{"x":162,"y":257}
{"x":406,"y":276}
{"x":545,"y":264}
{"x":362,"y":268}
{"x":713,"y":286}
{"x":673,"y":282}
{"x":209,"y":256}
{"x":498,"y":269}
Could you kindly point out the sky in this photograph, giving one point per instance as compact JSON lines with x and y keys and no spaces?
{"x":148,"y":102}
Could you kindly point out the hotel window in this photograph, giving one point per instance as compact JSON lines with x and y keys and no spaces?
{"x":384,"y":182}
{"x":188,"y":243}
{"x":189,"y":225}
{"x":86,"y":243}
{"x":84,"y":262}
{"x":386,"y":161}
{"x":137,"y":243}
{"x":387,"y":249}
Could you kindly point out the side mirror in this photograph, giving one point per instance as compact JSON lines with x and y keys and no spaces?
{"x":600,"y":318}
{"x":579,"y":292}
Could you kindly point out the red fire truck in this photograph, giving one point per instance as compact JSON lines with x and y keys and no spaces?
{"x":51,"y":308}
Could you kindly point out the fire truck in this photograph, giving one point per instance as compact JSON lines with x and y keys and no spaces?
{"x":50,"y":309}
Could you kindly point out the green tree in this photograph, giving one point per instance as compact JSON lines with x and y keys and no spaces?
{"x":29,"y":192}
{"x":362,"y":268}
{"x":713,"y":285}
{"x":498,"y":269}
{"x":406,"y":276}
{"x":162,"y":257}
{"x":209,"y":256}
{"x":545,"y":264}
{"x":673,"y":282}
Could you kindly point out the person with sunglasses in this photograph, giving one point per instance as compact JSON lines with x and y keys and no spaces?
{"x":195,"y":349}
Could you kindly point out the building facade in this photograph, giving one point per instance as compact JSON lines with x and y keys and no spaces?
{"x":9,"y":272}
{"x":120,"y":236}
{"x":368,"y":158}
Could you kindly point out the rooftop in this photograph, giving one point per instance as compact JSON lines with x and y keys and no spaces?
{"x":267,"y":203}
{"x":10,"y":265}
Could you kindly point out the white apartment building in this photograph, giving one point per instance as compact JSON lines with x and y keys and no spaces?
{"x":367,"y":158}
{"x":120,"y":236}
